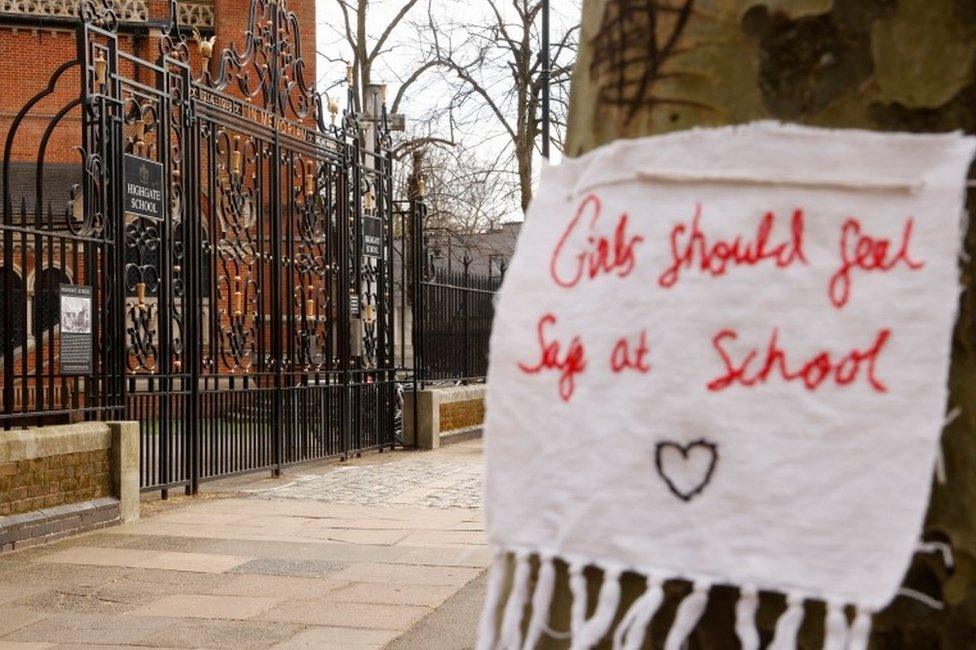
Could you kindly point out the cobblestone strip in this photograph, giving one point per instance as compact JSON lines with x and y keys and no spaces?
{"x":426,"y":481}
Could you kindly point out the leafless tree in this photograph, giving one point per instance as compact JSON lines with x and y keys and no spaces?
{"x":489,"y":55}
{"x":468,"y":189}
{"x":360,"y":47}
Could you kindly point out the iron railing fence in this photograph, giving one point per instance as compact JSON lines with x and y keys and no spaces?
{"x":246,"y":321}
{"x":455,"y":325}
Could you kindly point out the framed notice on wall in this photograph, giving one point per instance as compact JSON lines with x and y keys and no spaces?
{"x":76,"y":330}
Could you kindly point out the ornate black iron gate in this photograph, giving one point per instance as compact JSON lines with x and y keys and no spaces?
{"x":244,"y":309}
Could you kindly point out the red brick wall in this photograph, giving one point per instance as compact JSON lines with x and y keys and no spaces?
{"x":457,"y":415}
{"x":30,"y":56}
{"x":37,"y":483}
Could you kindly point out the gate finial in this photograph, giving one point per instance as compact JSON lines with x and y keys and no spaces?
{"x":100,"y":13}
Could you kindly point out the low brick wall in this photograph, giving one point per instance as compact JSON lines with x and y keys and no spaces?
{"x":59,"y":480}
{"x":37,"y":483}
{"x":443,"y":413}
{"x":462,"y":415}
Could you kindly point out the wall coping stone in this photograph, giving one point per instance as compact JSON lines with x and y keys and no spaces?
{"x":429,"y":402}
{"x":43,"y":442}
{"x":450,"y":394}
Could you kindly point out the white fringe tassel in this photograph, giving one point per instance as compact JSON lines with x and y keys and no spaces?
{"x":486,"y":626}
{"x":597,"y":625}
{"x":541,"y":600}
{"x":515,"y":607}
{"x":835,"y":628}
{"x":745,"y":618}
{"x":860,"y":631}
{"x":686,"y":618}
{"x":630,"y":632}
{"x":788,"y":625}
{"x":577,"y":586}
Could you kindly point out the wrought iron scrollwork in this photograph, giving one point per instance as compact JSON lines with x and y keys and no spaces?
{"x":270,"y":68}
{"x":370,"y":312}
{"x":87,"y":221}
{"x":238,"y":249}
{"x":311,"y":263}
{"x":177,"y":226}
{"x":100,"y":13}
{"x":143,"y":242}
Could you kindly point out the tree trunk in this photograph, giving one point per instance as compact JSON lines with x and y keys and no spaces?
{"x":652,"y":66}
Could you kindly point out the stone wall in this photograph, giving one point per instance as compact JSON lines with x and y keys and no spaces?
{"x":454,"y":412}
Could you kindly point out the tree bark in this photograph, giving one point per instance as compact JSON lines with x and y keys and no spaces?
{"x":887,"y":65}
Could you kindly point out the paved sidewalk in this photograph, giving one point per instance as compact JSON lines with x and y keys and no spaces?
{"x":330,"y":556}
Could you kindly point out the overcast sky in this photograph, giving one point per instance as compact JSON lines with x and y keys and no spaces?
{"x":404,"y":53}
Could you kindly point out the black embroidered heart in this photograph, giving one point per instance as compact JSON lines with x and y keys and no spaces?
{"x":686,"y":469}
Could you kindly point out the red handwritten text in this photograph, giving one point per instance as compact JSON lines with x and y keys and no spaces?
{"x":623,"y":357}
{"x":860,"y":251}
{"x":824,"y":366}
{"x":599,"y":254}
{"x":551,"y":357}
{"x":690,"y":246}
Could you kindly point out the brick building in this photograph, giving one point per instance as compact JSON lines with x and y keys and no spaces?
{"x":36,"y":38}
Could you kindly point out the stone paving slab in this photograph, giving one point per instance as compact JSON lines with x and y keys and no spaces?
{"x":353,"y":536}
{"x":290,"y":567}
{"x":87,"y":600}
{"x":444,"y":538}
{"x":335,"y":638}
{"x":165,"y":583}
{"x":15,"y":618}
{"x":475,"y":558}
{"x":235,"y":608}
{"x":288,"y":587}
{"x":123,"y":557}
{"x":245,"y":567}
{"x":391,"y":594}
{"x":233,"y":635}
{"x":17,"y":591}
{"x":52,"y":575}
{"x":407,"y":574}
{"x":369,"y":616}
{"x":80,"y":629}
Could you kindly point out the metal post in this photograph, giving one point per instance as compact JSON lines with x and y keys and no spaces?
{"x":164,"y":290}
{"x":544,"y":79}
{"x":191,"y":234}
{"x":416,"y":278}
{"x":277,"y":345}
{"x":466,"y":347}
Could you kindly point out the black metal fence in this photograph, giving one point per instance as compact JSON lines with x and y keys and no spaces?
{"x":455,"y":325}
{"x":245,"y":321}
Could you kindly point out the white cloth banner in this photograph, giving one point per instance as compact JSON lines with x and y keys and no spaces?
{"x":722,"y":355}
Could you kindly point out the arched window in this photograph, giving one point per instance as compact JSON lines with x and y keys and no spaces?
{"x":16,"y":303}
{"x":47,"y":299}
